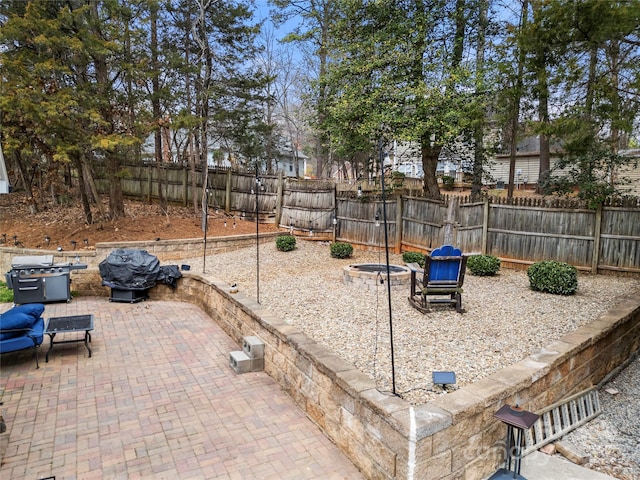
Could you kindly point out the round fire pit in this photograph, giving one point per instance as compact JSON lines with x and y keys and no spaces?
{"x":374,"y":275}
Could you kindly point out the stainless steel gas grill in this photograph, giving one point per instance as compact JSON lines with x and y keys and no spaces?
{"x":36,"y":279}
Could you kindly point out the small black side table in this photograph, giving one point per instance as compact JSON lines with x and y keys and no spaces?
{"x":75,"y":323}
{"x":517,"y":421}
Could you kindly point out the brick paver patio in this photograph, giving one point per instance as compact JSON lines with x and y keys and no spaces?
{"x":156,"y":400}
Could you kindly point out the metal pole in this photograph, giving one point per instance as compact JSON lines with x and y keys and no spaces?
{"x":257,"y":239}
{"x":386,"y":248}
{"x":205,"y":227}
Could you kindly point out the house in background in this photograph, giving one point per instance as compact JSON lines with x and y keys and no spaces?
{"x":527,"y":167}
{"x":286,"y":160}
{"x":174,"y":141}
{"x":4,"y":176}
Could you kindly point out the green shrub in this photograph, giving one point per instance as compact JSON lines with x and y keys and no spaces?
{"x":413,"y":257}
{"x":285,"y":243}
{"x":553,"y":277}
{"x":6,"y":295}
{"x":483,"y":265}
{"x":341,"y":250}
{"x":448,"y":182}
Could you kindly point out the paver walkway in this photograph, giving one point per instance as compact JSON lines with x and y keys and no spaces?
{"x":156,"y":400}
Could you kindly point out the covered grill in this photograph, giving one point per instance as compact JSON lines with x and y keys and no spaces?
{"x":36,"y":279}
{"x":130,"y":274}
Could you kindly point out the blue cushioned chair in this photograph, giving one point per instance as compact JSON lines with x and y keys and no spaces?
{"x":21,"y":328}
{"x":441,"y":279}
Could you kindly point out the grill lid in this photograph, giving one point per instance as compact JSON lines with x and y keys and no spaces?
{"x":32,"y":261}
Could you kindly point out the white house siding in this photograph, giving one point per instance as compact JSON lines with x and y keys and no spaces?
{"x":528,"y":165}
{"x":527,"y":168}
{"x":632,"y":172}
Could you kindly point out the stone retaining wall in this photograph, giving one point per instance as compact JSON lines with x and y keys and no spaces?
{"x":452,"y":437}
{"x":167,"y":251}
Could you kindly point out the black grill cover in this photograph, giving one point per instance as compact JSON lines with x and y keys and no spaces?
{"x":169,"y":275}
{"x":129,"y":270}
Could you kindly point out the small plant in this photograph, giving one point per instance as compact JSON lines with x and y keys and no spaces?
{"x":341,"y":250}
{"x":553,"y":277}
{"x":285,"y":243}
{"x":483,"y":265}
{"x":6,"y":295}
{"x":413,"y":257}
{"x":447,"y":182}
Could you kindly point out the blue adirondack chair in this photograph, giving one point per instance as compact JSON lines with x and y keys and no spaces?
{"x":441,"y":279}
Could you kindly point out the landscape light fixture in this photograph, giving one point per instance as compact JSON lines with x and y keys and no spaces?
{"x":334,"y":220}
{"x":47,"y":239}
{"x":377,"y":219}
{"x":86,"y":242}
{"x":73,"y":244}
{"x":359,"y":190}
{"x":443,"y":378}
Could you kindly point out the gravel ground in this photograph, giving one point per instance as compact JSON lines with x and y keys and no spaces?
{"x":612,"y":439}
{"x":504,"y":322}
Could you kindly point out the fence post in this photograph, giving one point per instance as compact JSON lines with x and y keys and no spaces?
{"x":398,"y":224}
{"x":149,"y":182}
{"x":279,"y":194}
{"x":227,"y":193}
{"x":595,"y":257}
{"x":485,"y":226}
{"x":185,"y":185}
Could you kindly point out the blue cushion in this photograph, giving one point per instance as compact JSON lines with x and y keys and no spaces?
{"x":33,"y":338}
{"x":20,"y":316}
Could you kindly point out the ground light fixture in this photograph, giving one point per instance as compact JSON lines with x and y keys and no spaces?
{"x":443,"y":378}
{"x":518,"y":421}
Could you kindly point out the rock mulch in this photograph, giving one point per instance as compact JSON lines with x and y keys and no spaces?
{"x":505,"y":321}
{"x":612,"y":439}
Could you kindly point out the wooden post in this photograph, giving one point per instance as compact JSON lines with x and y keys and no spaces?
{"x":595,"y":257}
{"x":149,"y":182}
{"x":279,"y":195}
{"x":185,"y":186}
{"x":485,"y":226}
{"x":398,"y":248}
{"x":227,"y":195}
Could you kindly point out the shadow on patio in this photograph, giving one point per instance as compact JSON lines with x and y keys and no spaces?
{"x":156,"y":400}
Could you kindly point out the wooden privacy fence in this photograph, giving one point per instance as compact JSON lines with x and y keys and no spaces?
{"x":518,"y":231}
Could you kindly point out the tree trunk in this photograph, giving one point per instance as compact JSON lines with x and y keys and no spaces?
{"x":160,"y":122}
{"x":84,"y":199}
{"x":430,"y":152}
{"x":543,"y":116}
{"x":88,"y":174}
{"x":26,"y":183}
{"x":478,"y":134}
{"x":515,"y":106}
{"x":116,"y":198}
